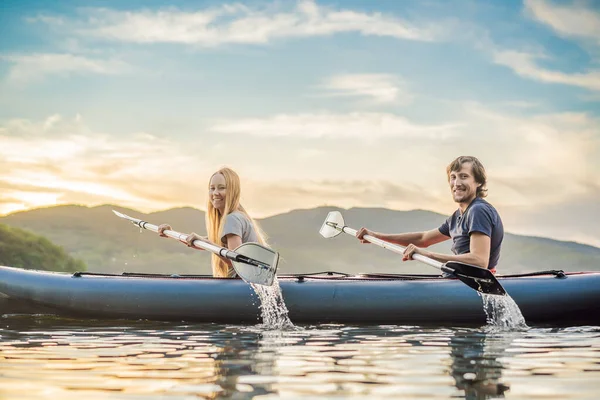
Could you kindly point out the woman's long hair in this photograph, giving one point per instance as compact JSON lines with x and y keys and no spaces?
{"x":215,"y":220}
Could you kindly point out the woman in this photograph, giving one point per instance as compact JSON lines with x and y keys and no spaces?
{"x":227,"y":222}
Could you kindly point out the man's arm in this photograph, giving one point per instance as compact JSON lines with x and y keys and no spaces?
{"x":421,"y":239}
{"x":479,"y":254}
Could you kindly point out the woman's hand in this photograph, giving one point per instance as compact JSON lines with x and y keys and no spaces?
{"x":194,"y":236}
{"x":362,"y":232}
{"x":162,"y":228}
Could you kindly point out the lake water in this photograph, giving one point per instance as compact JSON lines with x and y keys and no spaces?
{"x":49,"y":357}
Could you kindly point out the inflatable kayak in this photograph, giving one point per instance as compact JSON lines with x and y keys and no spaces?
{"x":550,"y":297}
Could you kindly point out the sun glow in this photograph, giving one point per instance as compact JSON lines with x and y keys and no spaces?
{"x":22,"y":201}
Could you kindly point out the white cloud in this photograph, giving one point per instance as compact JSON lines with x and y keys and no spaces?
{"x":380,"y":88}
{"x":574,"y":21}
{"x":367,"y":126}
{"x":525,"y":64}
{"x":35,"y":66}
{"x":235,"y":23}
{"x":568,"y":20}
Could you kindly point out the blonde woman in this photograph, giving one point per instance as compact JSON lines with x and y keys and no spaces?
{"x":227,"y":222}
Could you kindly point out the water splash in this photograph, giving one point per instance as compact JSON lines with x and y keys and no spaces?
{"x":502,"y":313}
{"x":273,"y":311}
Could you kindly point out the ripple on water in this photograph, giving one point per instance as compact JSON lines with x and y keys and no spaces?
{"x":71,"y":359}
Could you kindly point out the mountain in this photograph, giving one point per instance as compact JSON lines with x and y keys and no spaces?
{"x":109,"y":244}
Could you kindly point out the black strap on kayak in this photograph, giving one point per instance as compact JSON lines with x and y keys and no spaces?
{"x":322,"y":274}
{"x":79,"y":274}
{"x":332,"y":276}
{"x":327,"y":273}
{"x":558,"y":273}
{"x":400,"y":276}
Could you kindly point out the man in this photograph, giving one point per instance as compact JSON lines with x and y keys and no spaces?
{"x":475,"y":228}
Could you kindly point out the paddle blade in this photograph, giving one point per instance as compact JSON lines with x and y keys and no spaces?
{"x":478,"y":278}
{"x":127,"y":217}
{"x":263,"y":274}
{"x":118,"y":214}
{"x":333,"y":225}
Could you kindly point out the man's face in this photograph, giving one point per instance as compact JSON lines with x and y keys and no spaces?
{"x":462,"y":184}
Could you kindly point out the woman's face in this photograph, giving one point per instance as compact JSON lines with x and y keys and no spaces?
{"x":217,"y":192}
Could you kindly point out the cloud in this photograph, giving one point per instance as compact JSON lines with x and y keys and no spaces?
{"x":64,"y":161}
{"x":30,"y":67}
{"x":380,"y":88}
{"x":525,"y":64}
{"x":368,"y":126}
{"x":236,"y":23}
{"x":546,"y":159}
{"x":574,"y":20}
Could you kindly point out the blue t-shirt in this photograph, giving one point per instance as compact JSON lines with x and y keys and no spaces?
{"x":480,"y":216}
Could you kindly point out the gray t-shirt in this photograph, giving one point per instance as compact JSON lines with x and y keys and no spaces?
{"x":480,"y":216}
{"x":238,"y":224}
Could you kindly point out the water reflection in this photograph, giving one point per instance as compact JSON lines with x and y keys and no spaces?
{"x":476,"y":362}
{"x":70,"y":359}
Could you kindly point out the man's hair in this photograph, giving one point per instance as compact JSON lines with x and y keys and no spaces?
{"x":478,"y":172}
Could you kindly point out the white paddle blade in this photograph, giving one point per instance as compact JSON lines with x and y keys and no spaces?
{"x":127,"y":217}
{"x":333,"y":225}
{"x":261,"y":275}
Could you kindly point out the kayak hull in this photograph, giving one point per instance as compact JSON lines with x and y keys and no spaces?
{"x":573,"y":299}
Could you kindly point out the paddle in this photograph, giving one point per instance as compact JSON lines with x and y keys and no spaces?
{"x":480,"y":279}
{"x":253,"y":262}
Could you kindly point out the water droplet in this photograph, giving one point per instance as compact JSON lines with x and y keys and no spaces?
{"x":469,"y":376}
{"x":273,"y":311}
{"x":503,"y":313}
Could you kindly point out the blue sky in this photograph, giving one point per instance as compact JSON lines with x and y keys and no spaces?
{"x":353,"y":103}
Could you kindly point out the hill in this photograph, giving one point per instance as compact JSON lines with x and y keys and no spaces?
{"x":108,"y":244}
{"x":22,"y":249}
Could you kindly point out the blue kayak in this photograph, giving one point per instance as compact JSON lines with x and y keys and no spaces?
{"x":550,"y":297}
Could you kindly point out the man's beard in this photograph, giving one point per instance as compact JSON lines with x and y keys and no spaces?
{"x":462,"y":196}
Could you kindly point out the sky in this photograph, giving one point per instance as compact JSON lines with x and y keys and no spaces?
{"x":342,"y":103}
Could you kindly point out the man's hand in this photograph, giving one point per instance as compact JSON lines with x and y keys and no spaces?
{"x":411,"y":250}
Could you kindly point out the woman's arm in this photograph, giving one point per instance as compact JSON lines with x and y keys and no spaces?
{"x":233,"y":242}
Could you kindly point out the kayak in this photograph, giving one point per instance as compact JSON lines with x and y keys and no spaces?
{"x":550,"y":297}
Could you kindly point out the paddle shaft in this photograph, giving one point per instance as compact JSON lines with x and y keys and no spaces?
{"x":396,"y":248}
{"x":200,"y":244}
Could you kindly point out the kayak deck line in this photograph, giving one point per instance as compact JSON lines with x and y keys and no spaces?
{"x":328,"y":275}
